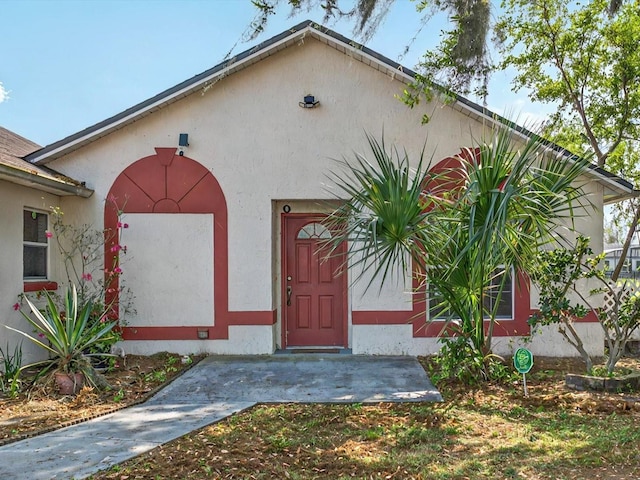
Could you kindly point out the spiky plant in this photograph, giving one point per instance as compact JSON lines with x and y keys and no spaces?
{"x":488,"y":211}
{"x":66,"y":335}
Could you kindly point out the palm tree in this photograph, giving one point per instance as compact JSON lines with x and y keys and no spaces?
{"x":464,"y":225}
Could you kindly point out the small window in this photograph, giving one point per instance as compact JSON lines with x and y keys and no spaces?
{"x":35,"y":245}
{"x":505,"y":307}
{"x":314,"y":230}
{"x":504,"y":310}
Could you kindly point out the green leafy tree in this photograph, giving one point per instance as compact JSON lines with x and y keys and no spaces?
{"x":462,"y":226}
{"x":585,"y":59}
{"x":462,"y":60}
{"x":560,"y":272}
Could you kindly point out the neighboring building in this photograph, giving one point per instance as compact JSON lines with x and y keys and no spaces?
{"x":631,"y":265}
{"x":222,"y":229}
{"x":26,"y":190}
{"x":630,"y":271}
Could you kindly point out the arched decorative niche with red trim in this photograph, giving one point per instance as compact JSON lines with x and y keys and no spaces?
{"x":517,"y":326}
{"x":176,"y":184}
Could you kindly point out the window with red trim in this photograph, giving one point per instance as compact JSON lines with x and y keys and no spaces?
{"x":505,"y":308}
{"x":35,"y":249}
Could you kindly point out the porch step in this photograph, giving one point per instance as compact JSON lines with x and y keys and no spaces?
{"x":322,"y":350}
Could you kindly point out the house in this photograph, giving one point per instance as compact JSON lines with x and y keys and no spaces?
{"x":222,"y":180}
{"x":629,"y":274}
{"x":26,"y":193}
{"x":631,"y":265}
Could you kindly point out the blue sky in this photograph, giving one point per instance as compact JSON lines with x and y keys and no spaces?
{"x":66,"y":65}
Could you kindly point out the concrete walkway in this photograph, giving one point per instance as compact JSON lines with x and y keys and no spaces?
{"x":215,"y":388}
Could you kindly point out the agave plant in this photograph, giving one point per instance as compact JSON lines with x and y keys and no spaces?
{"x":66,"y":335}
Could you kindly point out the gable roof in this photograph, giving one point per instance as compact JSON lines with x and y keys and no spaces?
{"x":616,"y":188}
{"x":16,"y":170}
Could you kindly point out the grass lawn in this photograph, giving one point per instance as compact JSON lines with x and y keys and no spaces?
{"x":491,"y":432}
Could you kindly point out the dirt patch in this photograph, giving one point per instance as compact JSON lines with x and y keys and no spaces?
{"x":40,"y":409}
{"x":488,"y":432}
{"x":491,"y":431}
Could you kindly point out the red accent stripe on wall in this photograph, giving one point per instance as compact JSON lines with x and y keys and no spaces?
{"x":215,"y":332}
{"x":40,"y":285}
{"x":417,"y":317}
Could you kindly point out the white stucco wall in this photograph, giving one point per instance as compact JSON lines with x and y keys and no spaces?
{"x":168,"y":250}
{"x":394,"y":294}
{"x":13,"y":200}
{"x":243,"y":340}
{"x":249,"y":131}
{"x":263,"y":146}
{"x":397,"y":340}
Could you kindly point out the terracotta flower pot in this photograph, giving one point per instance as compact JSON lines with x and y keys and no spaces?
{"x":69,"y":383}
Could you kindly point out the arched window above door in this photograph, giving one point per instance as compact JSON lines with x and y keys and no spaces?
{"x":313,"y":231}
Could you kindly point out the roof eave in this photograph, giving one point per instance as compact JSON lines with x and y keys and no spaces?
{"x":49,"y":185}
{"x":621,"y":188}
{"x":619,"y":196}
{"x":239,"y":62}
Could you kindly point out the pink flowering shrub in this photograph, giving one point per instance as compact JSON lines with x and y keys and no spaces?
{"x":82,"y":250}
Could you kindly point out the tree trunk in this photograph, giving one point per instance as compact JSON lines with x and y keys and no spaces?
{"x":576,"y":341}
{"x":615,"y":353}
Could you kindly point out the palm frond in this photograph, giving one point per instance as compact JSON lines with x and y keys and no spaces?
{"x":491,"y":209}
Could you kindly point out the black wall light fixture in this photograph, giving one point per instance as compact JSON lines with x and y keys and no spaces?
{"x":183,"y":142}
{"x":309,"y":102}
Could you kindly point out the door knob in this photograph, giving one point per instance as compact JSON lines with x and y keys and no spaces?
{"x":289,"y":295}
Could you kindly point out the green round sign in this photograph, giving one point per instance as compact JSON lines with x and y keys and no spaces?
{"x":523,"y":360}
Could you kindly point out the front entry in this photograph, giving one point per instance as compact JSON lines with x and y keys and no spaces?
{"x":314,"y":287}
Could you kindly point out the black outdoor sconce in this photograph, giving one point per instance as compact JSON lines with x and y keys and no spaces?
{"x":309,"y":102}
{"x":183,"y":142}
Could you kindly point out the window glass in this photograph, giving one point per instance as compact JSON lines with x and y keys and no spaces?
{"x":314,"y":230}
{"x":35,"y":262}
{"x":36,"y":245}
{"x":504,"y":310}
{"x":35,"y":227}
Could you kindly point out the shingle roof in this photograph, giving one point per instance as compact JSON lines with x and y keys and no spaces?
{"x":13,"y":146}
{"x":617,"y":187}
{"x":16,"y":170}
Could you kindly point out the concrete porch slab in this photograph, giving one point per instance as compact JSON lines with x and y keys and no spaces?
{"x":304,"y":378}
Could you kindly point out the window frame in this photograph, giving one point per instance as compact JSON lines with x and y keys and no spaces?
{"x":42,"y":245}
{"x":313,"y":231}
{"x":455,"y":319}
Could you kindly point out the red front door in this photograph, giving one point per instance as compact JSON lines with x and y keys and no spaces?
{"x":314,"y":286}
